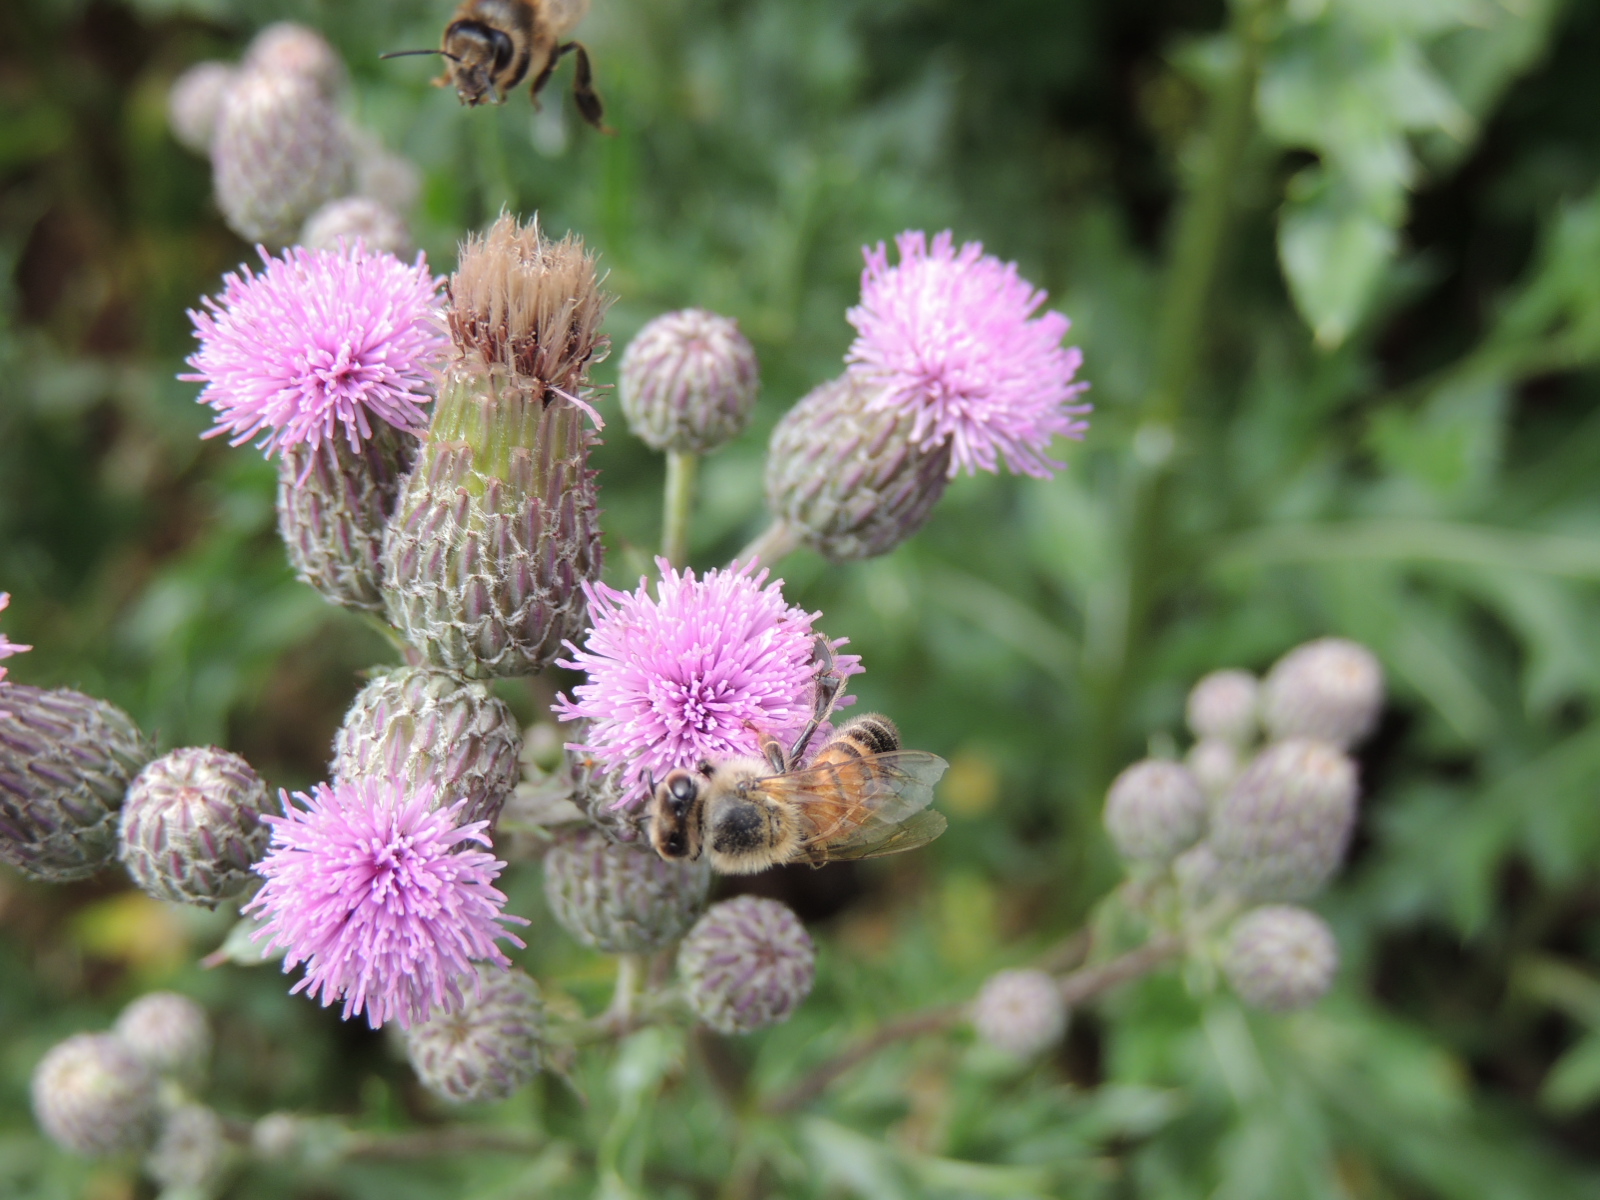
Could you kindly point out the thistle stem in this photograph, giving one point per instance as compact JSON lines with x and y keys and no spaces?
{"x":776,"y":542}
{"x":679,"y":506}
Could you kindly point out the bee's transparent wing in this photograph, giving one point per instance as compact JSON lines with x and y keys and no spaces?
{"x":887,"y":792}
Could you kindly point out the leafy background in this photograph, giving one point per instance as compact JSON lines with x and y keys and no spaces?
{"x":1335,"y":268}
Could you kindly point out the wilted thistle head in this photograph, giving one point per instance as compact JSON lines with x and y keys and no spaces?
{"x":622,"y":899}
{"x":66,"y":760}
{"x":488,"y":1048}
{"x":357,"y":219}
{"x":693,"y":672}
{"x":379,"y":894}
{"x":952,"y":337}
{"x":1330,"y":689}
{"x":191,"y":826}
{"x":285,"y":48}
{"x":688,"y":381}
{"x":1280,"y":958}
{"x":1281,"y":831}
{"x":95,"y":1097}
{"x":190,"y":1154}
{"x":321,"y":344}
{"x":280,"y":152}
{"x":1020,"y":1012}
{"x":1154,"y":810}
{"x":1224,"y":705}
{"x":747,"y":964}
{"x":530,"y":305}
{"x":169,"y":1032}
{"x":194,"y":103}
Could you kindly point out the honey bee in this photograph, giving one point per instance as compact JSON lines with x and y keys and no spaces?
{"x":861,"y":796}
{"x":493,"y":45}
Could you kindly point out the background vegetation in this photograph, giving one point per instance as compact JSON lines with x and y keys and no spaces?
{"x":1335,"y":268}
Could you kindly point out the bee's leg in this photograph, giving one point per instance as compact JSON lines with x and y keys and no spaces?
{"x":772,"y":751}
{"x":583,"y":93}
{"x":829,"y":681}
{"x":543,"y":77}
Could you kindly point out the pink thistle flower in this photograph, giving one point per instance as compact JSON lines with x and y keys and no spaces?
{"x":951,"y":336}
{"x":369,"y":885}
{"x":699,"y":671}
{"x":7,"y":646}
{"x":319,"y":339}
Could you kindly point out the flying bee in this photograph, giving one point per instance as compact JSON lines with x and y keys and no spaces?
{"x":493,"y":45}
{"x":861,"y":796}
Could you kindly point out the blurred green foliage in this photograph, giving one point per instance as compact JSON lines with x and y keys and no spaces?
{"x":1335,"y":267}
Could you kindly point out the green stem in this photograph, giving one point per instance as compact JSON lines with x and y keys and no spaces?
{"x":775,"y":542}
{"x":1120,"y":626}
{"x":681,"y":471}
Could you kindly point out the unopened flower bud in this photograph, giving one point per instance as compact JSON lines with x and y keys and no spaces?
{"x":191,"y":826}
{"x":334,"y":504}
{"x":1154,"y":810}
{"x":689,"y":381}
{"x":1020,"y":1012}
{"x":293,"y":1140}
{"x":1215,"y":764}
{"x":423,"y":727}
{"x":194,"y":105}
{"x":95,"y":1097}
{"x":1280,"y":958}
{"x":279,"y":154}
{"x":169,"y":1032}
{"x":65,"y":761}
{"x":1281,"y":831}
{"x":1199,"y":875}
{"x":357,"y":219}
{"x":1223,"y":706}
{"x":849,"y":480}
{"x":1331,"y":689}
{"x":285,"y":48}
{"x":191,"y":1153}
{"x":498,"y":525}
{"x":623,"y":899}
{"x":487,"y":1050}
{"x":747,"y":964}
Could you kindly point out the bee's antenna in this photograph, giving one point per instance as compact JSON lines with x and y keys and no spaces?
{"x":404,"y":53}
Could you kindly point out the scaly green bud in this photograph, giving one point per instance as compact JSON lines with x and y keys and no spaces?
{"x":623,"y":899}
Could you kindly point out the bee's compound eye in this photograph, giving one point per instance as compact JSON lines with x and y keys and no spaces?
{"x":682,"y":788}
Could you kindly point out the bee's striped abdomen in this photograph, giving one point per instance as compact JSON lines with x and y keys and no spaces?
{"x":848,"y":760}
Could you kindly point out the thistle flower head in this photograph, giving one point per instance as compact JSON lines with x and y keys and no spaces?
{"x":952,"y":337}
{"x":1020,"y":1012}
{"x":7,"y":646}
{"x":746,"y":964}
{"x":169,"y":1032}
{"x":383,"y":897}
{"x":194,"y":103}
{"x":320,"y":343}
{"x":697,"y":671}
{"x":94,"y":1096}
{"x":285,"y":48}
{"x":1280,"y":958}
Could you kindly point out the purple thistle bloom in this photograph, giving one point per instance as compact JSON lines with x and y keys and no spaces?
{"x":698,"y":672}
{"x":952,"y":337}
{"x":7,"y":646}
{"x":319,"y":339}
{"x":369,"y":886}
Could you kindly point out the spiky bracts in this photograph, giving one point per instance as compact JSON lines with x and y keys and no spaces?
{"x":490,"y":1047}
{"x":622,"y":899}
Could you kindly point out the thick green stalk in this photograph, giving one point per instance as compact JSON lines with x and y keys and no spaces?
{"x":1119,"y":627}
{"x":679,"y":506}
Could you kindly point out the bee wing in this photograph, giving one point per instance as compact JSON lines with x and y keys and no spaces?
{"x":895,"y":788}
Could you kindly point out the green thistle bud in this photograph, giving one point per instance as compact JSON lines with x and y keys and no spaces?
{"x":191,"y":1153}
{"x":191,"y":826}
{"x":1331,"y":689}
{"x":95,"y":1097}
{"x":1224,"y":705}
{"x":432,"y":727}
{"x":1020,"y":1012}
{"x":747,"y":964}
{"x":280,"y":153}
{"x":623,"y":899}
{"x":194,"y":104}
{"x":1281,"y":831}
{"x":334,"y":505}
{"x":285,"y":48}
{"x":489,"y":1049}
{"x":688,"y":382}
{"x":1280,"y":958}
{"x":498,"y":526}
{"x":65,"y":761}
{"x":1154,"y":810}
{"x":169,"y":1033}
{"x":847,"y":481}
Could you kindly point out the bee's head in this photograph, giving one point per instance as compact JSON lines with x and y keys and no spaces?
{"x":477,"y":54}
{"x":675,"y":809}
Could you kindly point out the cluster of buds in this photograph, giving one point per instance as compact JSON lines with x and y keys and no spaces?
{"x":287,"y":165}
{"x":1260,"y":812}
